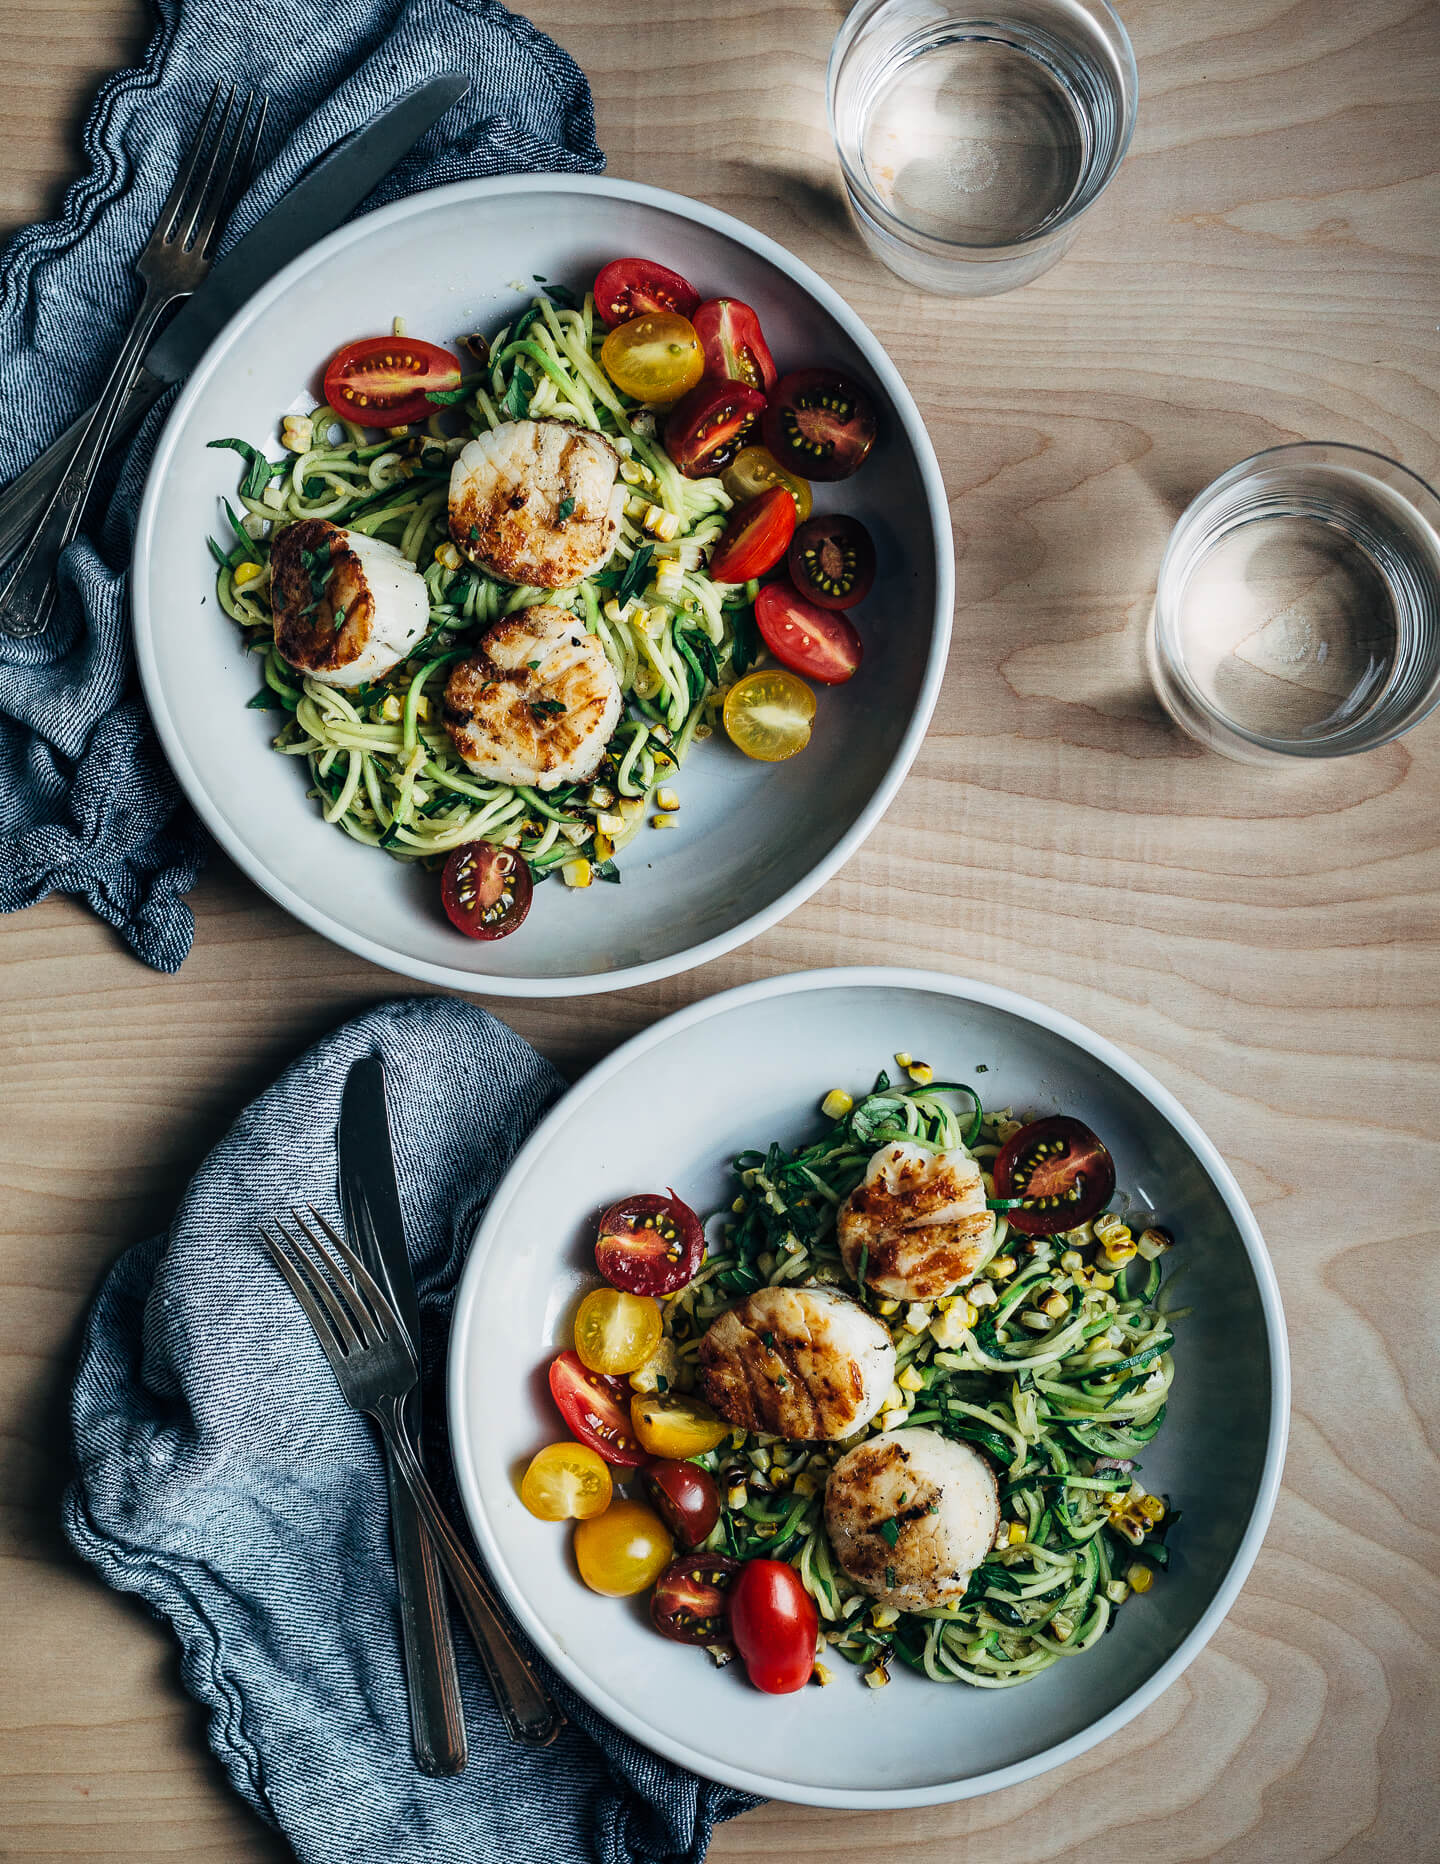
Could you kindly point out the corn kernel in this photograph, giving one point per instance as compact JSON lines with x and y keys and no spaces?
{"x":1154,"y":1242}
{"x":631,"y":807}
{"x":982,"y":1294}
{"x":604,"y":845}
{"x":658,"y":522}
{"x":246,"y":573}
{"x":273,"y":496}
{"x":1015,"y":1533}
{"x":670,"y":579}
{"x":576,"y":873}
{"x":836,"y":1104}
{"x":1071,"y":1260}
{"x":610,"y":822}
{"x":1152,"y":1507}
{"x":889,"y":1307}
{"x":1139,"y":1577}
{"x":667,"y":799}
{"x":1116,"y":1251}
{"x":806,"y":1484}
{"x":1001,"y":1268}
{"x":660,"y":1371}
{"x":391,"y":708}
{"x":1054,"y":1305}
{"x":447,"y":556}
{"x":1101,"y":1281}
{"x":737,"y":1495}
{"x":633,"y":473}
{"x":895,"y":1398}
{"x":902,"y":1060}
{"x":892,"y":1420}
{"x":1062,"y":1628}
{"x":917,"y":1317}
{"x":877,"y":1676}
{"x":297,"y":433}
{"x":910,"y":1380}
{"x":821,"y":1675}
{"x":1117,"y":1591}
{"x":921,"y":1073}
{"x":664,"y":821}
{"x":883,"y":1616}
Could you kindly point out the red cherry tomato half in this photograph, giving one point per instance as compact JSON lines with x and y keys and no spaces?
{"x":597,"y":1410}
{"x":1060,"y":1170}
{"x":708,"y":427}
{"x":685,"y":1498}
{"x":814,"y":641}
{"x":690,"y":1603}
{"x":486,"y":890}
{"x":773,"y":1622}
{"x":819,"y":423}
{"x":386,"y":381}
{"x":649,"y":1245}
{"x":629,"y":288}
{"x":734,"y":346}
{"x":831,"y":561}
{"x":755,"y":538}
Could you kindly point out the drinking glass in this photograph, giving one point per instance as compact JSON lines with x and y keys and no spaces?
{"x":1298,"y":607}
{"x":973,"y":138}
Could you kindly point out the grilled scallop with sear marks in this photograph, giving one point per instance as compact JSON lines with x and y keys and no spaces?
{"x":920,"y":1222}
{"x":537,"y":502}
{"x":347,"y":607}
{"x":806,"y":1363}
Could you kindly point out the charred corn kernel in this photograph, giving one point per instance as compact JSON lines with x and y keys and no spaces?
{"x":1104,"y":1283}
{"x":877,"y":1676}
{"x":910,"y":1380}
{"x":883,"y":1616}
{"x":1152,"y":1507}
{"x":806,"y":1484}
{"x":1111,"y":1223}
{"x":297,"y":433}
{"x":737,"y":1440}
{"x":1139,"y":1578}
{"x":948,"y":1329}
{"x":1081,"y":1235}
{"x":780,"y":1477}
{"x":1071,"y":1260}
{"x":895,"y":1398}
{"x":576,"y":833}
{"x":670,"y":579}
{"x":1037,"y":1323}
{"x":836,"y":1104}
{"x":917,"y":1317}
{"x":614,"y":612}
{"x":664,"y":821}
{"x":397,"y":327}
{"x":1054,"y":1305}
{"x":1001,"y":1268}
{"x":246,"y":573}
{"x":601,"y":796}
{"x":633,"y":473}
{"x":1015,"y":1533}
{"x":447,"y":555}
{"x":666,"y":799}
{"x":631,"y":807}
{"x":921,"y":1073}
{"x":657,"y":522}
{"x":610,"y":822}
{"x":982,"y":1294}
{"x":1154,"y":1242}
{"x":1115,"y":1498}
{"x":1117,"y":1252}
{"x":576,"y":873}
{"x":892,"y":1420}
{"x":604,"y":845}
{"x":888,"y":1307}
{"x":1062,"y":1628}
{"x":1117,"y":1591}
{"x":821,"y":1675}
{"x":273,"y":496}
{"x":737,"y":1495}
{"x":902,"y":1060}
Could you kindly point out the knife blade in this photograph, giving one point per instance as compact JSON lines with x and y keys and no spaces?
{"x":313,"y":207}
{"x":370,"y":1203}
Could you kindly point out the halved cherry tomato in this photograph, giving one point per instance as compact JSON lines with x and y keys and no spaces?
{"x":670,"y":1424}
{"x":755,"y":537}
{"x":649,"y":1245}
{"x":656,"y":357}
{"x":624,"y":1550}
{"x":689,"y":1603}
{"x":486,"y":890}
{"x":729,"y":332}
{"x":820,"y":423}
{"x":628,"y":288}
{"x":705,"y":431}
{"x":809,"y":640}
{"x":616,"y":1332}
{"x":832,"y":561}
{"x":768,"y":714}
{"x":685,"y":1498}
{"x":386,"y":381}
{"x":566,"y":1482}
{"x":595,"y":1409}
{"x":773,"y":1622}
{"x":1060,"y":1170}
{"x":754,"y":470}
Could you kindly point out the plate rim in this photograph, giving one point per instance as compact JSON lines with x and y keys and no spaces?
{"x":972,"y":990}
{"x":629,"y":977}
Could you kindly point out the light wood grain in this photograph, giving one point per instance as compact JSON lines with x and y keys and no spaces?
{"x":1263,"y":269}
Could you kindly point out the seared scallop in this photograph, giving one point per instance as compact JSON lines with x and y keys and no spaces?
{"x":347,"y":607}
{"x":807,"y":1363}
{"x":537,"y":704}
{"x":537,"y":502}
{"x":910,"y":1515}
{"x":920,"y":1222}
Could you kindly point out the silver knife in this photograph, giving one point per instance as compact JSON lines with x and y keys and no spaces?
{"x":370,"y":1200}
{"x":315,"y":206}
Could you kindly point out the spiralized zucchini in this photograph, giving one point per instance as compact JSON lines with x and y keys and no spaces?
{"x":382,"y":768}
{"x":1044,"y":1399}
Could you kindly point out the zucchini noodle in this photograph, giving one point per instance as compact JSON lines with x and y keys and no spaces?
{"x":1059,"y":1404}
{"x":381,"y":766}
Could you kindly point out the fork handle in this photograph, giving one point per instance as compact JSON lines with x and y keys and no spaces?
{"x":529,"y":1713}
{"x":26,"y":597}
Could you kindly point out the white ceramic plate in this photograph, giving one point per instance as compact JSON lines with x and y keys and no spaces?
{"x":754,"y":840}
{"x":670,"y":1108}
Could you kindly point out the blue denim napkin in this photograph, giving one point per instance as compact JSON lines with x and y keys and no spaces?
{"x":87,"y":805}
{"x":220,"y":1475}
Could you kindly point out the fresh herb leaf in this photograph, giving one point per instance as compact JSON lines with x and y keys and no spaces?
{"x":769,"y":1340}
{"x":534,"y":665}
{"x":339,"y":618}
{"x":607,"y":870}
{"x":566,"y":507}
{"x":636,"y":570}
{"x":890,"y":1577}
{"x":562,"y":296}
{"x":524,"y":321}
{"x":446,"y":397}
{"x":550,"y":708}
{"x":222,"y":557}
{"x":889,"y":1532}
{"x":516,"y":400}
{"x":264,"y":701}
{"x":259,"y":471}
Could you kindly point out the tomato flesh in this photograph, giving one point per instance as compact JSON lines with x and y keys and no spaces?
{"x":814,"y":641}
{"x":486,"y":890}
{"x":754,"y":470}
{"x":819,"y":423}
{"x":673,"y":1425}
{"x":705,"y":431}
{"x":650,"y":1244}
{"x":755,"y":537}
{"x":387,"y":381}
{"x":615,"y":1332}
{"x":623,"y":1551}
{"x":690,"y":1603}
{"x":831,"y":561}
{"x":566,"y":1482}
{"x":685,"y":1498}
{"x":768,"y":713}
{"x":773,"y":1622}
{"x":628,"y":288}
{"x":734,"y":346}
{"x":1061,"y":1171}
{"x":653,"y":357}
{"x":596,"y":1411}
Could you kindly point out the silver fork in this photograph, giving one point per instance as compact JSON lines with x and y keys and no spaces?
{"x":375,"y":1366}
{"x":175,"y":260}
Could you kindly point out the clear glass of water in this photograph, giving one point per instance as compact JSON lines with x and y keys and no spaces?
{"x":1298,"y":607}
{"x":973,"y":137}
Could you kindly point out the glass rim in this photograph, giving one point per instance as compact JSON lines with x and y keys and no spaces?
{"x":900,"y":228}
{"x":1341,"y":743}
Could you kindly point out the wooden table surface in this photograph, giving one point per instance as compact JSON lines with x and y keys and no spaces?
{"x":1264,"y":269}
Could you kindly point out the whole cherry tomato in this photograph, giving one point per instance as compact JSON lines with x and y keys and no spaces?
{"x":773,"y":1622}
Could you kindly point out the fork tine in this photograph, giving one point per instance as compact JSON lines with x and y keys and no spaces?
{"x":198,"y":204}
{"x":355,"y":1336}
{"x":307,"y":1301}
{"x":385,"y":1317}
{"x":221,"y":186}
{"x":175,"y":200}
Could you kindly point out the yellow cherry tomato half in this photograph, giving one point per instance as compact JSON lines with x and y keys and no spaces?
{"x":566,"y":1482}
{"x":768,"y":714}
{"x":624,"y":1550}
{"x":675,"y":1426}
{"x":616,"y":1332}
{"x":656,"y":357}
{"x":754,"y":470}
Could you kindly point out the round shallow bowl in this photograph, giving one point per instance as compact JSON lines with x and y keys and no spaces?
{"x":753,"y":840}
{"x":670,"y":1108}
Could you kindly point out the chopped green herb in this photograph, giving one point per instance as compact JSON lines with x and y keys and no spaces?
{"x":516,"y":399}
{"x":566,"y":507}
{"x":562,"y":296}
{"x":889,"y":1532}
{"x":551,"y":708}
{"x":339,"y":618}
{"x":769,"y":1339}
{"x":607,"y":870}
{"x":259,"y":471}
{"x":264,"y":701}
{"x":534,"y":665}
{"x":890,"y":1576}
{"x":781,"y":1382}
{"x":446,"y":397}
{"x":636,"y":570}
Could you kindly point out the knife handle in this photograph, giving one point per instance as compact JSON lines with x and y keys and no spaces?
{"x":23,"y":500}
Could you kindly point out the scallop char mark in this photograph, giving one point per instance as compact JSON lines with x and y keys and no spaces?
{"x":537,"y":705}
{"x":537,"y":502}
{"x":348,"y":608}
{"x":919,"y":1222}
{"x":806,"y":1363}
